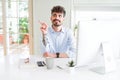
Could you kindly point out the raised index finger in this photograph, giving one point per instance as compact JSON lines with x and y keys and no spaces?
{"x":43,"y":24}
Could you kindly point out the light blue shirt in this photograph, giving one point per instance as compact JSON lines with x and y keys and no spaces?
{"x":62,"y":42}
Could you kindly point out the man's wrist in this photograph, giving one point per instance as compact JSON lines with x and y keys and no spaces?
{"x":44,"y":36}
{"x":44,"y":39}
{"x":57,"y":55}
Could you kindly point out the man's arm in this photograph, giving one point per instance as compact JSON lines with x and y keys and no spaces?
{"x":44,"y":40}
{"x":54,"y":55}
{"x":71,"y":52}
{"x":43,"y":29}
{"x":63,"y":55}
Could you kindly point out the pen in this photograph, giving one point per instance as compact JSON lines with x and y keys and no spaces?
{"x":59,"y":67}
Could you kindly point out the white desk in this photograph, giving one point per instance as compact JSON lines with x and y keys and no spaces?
{"x":9,"y":70}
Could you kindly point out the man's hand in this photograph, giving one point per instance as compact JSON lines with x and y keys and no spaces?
{"x":43,"y":27}
{"x":46,"y":54}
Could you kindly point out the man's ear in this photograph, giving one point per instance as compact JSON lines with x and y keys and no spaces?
{"x":64,"y":18}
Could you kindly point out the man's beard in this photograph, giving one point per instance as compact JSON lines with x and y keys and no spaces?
{"x":56,"y":24}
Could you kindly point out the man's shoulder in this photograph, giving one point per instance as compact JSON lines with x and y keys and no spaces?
{"x":68,"y":30}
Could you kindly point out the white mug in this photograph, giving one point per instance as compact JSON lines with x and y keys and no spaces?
{"x":49,"y":62}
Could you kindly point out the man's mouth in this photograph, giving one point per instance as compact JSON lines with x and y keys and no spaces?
{"x":56,"y":20}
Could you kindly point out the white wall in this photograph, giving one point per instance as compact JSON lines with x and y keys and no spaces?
{"x":42,"y":12}
{"x":97,"y":4}
{"x":97,"y":1}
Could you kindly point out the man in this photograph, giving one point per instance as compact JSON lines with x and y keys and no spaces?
{"x":58,"y":40}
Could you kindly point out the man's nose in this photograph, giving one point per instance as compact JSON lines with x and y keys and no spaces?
{"x":57,"y":17}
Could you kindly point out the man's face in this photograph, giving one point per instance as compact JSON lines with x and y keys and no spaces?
{"x":57,"y":19}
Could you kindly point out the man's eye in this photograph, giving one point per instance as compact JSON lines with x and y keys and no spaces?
{"x":60,"y":15}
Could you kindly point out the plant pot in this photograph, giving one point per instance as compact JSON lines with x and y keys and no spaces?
{"x":71,"y":69}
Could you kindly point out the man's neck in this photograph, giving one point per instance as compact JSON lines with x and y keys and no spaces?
{"x":57,"y":29}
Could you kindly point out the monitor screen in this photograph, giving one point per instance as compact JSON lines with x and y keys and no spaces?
{"x":90,"y":36}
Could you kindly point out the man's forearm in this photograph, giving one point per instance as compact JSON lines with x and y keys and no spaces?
{"x":44,"y":42}
{"x":44,"y":39}
{"x":63,"y":55}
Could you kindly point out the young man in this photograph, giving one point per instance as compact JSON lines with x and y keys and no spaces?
{"x":58,"y":40}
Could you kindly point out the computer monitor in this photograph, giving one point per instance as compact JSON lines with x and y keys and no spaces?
{"x":91,"y":34}
{"x":88,"y":42}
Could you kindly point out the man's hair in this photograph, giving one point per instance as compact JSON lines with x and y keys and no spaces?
{"x":58,"y":9}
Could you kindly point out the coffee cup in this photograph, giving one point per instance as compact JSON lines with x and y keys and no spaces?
{"x":49,"y":62}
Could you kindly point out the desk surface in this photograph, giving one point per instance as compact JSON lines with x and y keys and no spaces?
{"x":10,"y":70}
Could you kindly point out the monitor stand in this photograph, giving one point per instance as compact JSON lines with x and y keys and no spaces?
{"x":109,"y":61}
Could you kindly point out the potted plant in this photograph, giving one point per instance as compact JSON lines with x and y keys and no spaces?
{"x":71,"y":65}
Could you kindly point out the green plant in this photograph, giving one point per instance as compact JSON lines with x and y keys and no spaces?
{"x":71,"y":63}
{"x":75,"y":29}
{"x":23,"y":25}
{"x":23,"y":28}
